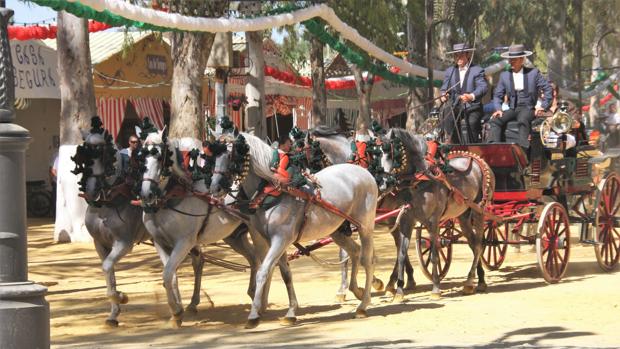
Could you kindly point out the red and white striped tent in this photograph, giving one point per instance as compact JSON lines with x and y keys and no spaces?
{"x":112,"y":111}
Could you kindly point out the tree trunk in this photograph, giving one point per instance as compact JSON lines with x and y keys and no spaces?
{"x":319,"y":94}
{"x":190,"y":52}
{"x":364,"y":90}
{"x":255,"y":87}
{"x":596,"y":63}
{"x":429,"y":48}
{"x":77,"y":106}
{"x":555,"y":52}
{"x":415,"y":43}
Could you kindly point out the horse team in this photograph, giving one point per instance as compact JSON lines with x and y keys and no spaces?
{"x":181,"y":198}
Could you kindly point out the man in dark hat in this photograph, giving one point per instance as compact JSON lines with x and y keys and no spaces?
{"x":522,"y":86}
{"x":463,"y":85}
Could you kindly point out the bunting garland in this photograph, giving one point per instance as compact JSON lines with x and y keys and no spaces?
{"x":41,"y":32}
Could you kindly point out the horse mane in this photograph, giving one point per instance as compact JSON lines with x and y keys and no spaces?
{"x":414,"y":144}
{"x":260,"y":156}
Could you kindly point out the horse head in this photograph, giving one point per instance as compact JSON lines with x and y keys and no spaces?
{"x":97,"y":160}
{"x":402,"y":153}
{"x":156,"y":159}
{"x":232,"y":162}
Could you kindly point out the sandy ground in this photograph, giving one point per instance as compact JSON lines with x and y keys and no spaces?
{"x":518,"y":309}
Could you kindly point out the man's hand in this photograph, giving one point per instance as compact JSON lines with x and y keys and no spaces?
{"x":444,"y":98}
{"x":497,"y":114}
{"x":466,"y":98}
{"x":538,"y":111}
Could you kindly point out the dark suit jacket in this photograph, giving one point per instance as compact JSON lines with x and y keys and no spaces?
{"x":533,"y":83}
{"x":474,"y":83}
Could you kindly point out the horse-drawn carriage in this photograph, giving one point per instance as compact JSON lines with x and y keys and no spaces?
{"x":539,"y":201}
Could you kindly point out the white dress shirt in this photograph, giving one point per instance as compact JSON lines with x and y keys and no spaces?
{"x":518,"y":79}
{"x":462,"y":72}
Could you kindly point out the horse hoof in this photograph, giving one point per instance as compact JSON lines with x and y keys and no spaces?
{"x":481,"y":287}
{"x":192,"y":308}
{"x":340,"y":298}
{"x":361,"y":314}
{"x":436,"y":296}
{"x":124,"y":299}
{"x":390,"y":289}
{"x":111,"y":323}
{"x":398,"y":298}
{"x":469,"y":289}
{"x":176,"y":323}
{"x":252,"y":323}
{"x":288,"y":321}
{"x":377,"y":284}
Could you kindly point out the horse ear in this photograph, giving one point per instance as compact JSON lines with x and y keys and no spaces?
{"x":84,"y":134}
{"x":163,"y":130}
{"x":392,"y":135}
{"x":138,"y":131}
{"x":236,"y":132}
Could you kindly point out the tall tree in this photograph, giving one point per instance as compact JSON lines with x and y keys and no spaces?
{"x":255,"y":87}
{"x":319,"y":93}
{"x":77,"y":98}
{"x":190,"y":52}
{"x":416,"y":51}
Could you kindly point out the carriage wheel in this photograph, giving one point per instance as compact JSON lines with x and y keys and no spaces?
{"x":553,"y":242}
{"x":423,"y":248}
{"x":607,"y":227}
{"x":495,"y":244}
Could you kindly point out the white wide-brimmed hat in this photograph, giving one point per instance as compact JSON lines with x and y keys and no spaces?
{"x":516,"y":51}
{"x":458,"y":48}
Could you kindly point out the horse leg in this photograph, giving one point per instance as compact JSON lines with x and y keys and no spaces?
{"x":405,"y":237}
{"x":285,"y":271}
{"x":197,"y":265}
{"x":478,"y":232}
{"x":367,"y":260}
{"x":240,"y":243}
{"x":472,"y":240}
{"x":119,"y":249}
{"x":433,"y":228}
{"x":410,"y":285}
{"x":353,"y":250}
{"x":341,"y":295}
{"x":276,"y":250}
{"x":261,"y":246}
{"x":173,"y":260}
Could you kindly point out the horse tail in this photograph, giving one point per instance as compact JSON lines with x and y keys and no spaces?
{"x":488,"y":178}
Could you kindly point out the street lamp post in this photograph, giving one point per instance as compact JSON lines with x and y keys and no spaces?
{"x":24,"y":312}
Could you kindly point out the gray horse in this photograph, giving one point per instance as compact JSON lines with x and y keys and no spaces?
{"x":431,"y":203}
{"x":111,"y":220}
{"x":337,"y":149}
{"x":188,"y":221}
{"x":349,"y":188}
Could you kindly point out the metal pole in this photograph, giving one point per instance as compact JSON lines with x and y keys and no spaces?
{"x":24,"y":312}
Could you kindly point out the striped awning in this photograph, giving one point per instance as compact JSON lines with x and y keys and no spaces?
{"x":112,"y":111}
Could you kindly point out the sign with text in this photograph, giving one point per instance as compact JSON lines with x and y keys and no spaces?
{"x":35,"y":70}
{"x":156,"y":64}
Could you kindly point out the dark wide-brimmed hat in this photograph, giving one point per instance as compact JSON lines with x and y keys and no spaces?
{"x":516,"y":51}
{"x":458,"y":48}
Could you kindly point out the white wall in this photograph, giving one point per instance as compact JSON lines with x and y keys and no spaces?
{"x":42,"y":119}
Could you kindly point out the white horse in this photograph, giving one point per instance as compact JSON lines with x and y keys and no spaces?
{"x":349,"y":188}
{"x":111,"y":220}
{"x":185,"y":222}
{"x":337,"y":149}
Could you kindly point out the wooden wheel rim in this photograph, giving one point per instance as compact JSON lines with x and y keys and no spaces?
{"x":606,"y":231}
{"x":495,"y":245}
{"x":553,"y":242}
{"x":423,"y":249}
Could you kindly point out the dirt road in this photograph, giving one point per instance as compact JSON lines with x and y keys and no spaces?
{"x":518,"y":309}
